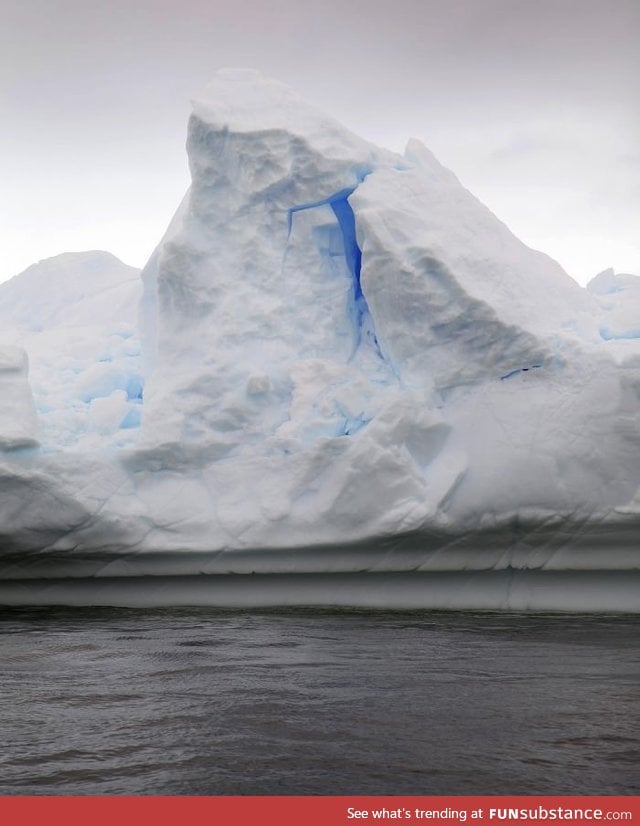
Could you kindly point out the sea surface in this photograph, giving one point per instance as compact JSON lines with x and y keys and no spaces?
{"x":189,"y":702}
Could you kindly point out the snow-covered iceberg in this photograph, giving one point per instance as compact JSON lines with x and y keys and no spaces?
{"x":348,"y":384}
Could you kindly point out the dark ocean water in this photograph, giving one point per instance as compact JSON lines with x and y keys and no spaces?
{"x":310,"y":702}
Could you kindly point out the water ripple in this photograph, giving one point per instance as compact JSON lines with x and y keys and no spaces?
{"x":311,"y":702}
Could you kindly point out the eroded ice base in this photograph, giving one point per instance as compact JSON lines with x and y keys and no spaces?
{"x":520,"y":567}
{"x":503,"y":590}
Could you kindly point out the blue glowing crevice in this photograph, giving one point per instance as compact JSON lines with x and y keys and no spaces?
{"x":519,"y":370}
{"x":354,"y":424}
{"x":349,"y":424}
{"x":353,"y":254}
{"x":343,"y":194}
{"x":134,"y":388}
{"x":131,"y":420}
{"x":339,"y":203}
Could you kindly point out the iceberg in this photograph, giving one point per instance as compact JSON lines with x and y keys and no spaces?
{"x":340,"y":380}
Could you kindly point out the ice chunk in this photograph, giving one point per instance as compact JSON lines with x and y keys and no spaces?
{"x":618,"y":297}
{"x":18,"y":427}
{"x":76,"y":316}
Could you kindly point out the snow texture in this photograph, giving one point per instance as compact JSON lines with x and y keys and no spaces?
{"x":346,"y":376}
{"x":76,"y":316}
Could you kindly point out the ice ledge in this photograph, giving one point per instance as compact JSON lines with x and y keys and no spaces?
{"x":562,"y":548}
{"x":507,"y":590}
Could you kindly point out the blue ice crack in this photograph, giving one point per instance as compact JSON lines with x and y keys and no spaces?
{"x":519,"y":370}
{"x":343,"y":194}
{"x":343,"y":211}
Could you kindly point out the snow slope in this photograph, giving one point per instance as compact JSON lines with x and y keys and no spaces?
{"x":350,"y":367}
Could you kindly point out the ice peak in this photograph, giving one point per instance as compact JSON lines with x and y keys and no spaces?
{"x":232,"y":92}
{"x":245,"y":101}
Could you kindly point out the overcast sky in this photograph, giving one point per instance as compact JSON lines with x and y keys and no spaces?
{"x":534,"y":104}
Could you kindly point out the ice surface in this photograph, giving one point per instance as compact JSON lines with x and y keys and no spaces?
{"x":618,"y":296}
{"x":17,"y":411}
{"x":77,"y":317}
{"x":343,"y":366}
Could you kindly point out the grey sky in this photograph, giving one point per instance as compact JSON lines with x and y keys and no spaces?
{"x":533,"y":103}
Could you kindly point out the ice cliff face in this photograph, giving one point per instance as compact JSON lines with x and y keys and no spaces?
{"x":340,"y":345}
{"x":17,"y":414}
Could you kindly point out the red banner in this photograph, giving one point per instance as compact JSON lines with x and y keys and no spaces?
{"x":314,"y":811}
